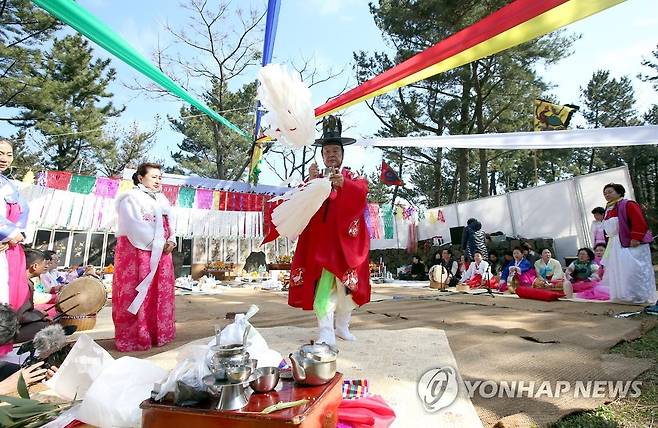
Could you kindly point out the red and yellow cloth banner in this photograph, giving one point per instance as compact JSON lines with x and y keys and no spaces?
{"x":516,"y":23}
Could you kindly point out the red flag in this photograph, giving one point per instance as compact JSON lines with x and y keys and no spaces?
{"x":388,"y":176}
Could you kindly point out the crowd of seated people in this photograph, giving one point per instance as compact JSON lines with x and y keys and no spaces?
{"x":617,"y":268}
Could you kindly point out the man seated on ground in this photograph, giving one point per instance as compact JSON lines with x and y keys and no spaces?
{"x":30,"y":319}
{"x":417,"y":272}
{"x":446,"y":270}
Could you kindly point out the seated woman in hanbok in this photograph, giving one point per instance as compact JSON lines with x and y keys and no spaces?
{"x":517,"y":273}
{"x":549,"y":272}
{"x":479,"y":273}
{"x":583,"y":278}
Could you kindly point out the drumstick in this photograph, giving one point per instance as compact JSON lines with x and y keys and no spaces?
{"x":59,"y":303}
{"x":58,"y":316}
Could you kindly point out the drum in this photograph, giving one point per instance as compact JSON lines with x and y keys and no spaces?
{"x":82,"y":297}
{"x":439,"y":277}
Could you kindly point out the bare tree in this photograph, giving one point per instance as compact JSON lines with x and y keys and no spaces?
{"x":125,"y":149}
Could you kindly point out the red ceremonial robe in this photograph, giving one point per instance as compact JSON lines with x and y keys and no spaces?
{"x":335,"y":239}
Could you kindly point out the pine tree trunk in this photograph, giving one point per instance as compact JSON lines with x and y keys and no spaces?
{"x":462,"y":167}
{"x":484,"y":176}
{"x":438,"y":179}
{"x":590,"y":169}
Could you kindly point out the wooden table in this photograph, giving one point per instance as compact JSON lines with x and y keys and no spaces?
{"x":322,"y":411}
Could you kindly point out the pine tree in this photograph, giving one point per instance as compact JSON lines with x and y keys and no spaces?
{"x":209,"y":149}
{"x":66,"y":104}
{"x":493,"y":94}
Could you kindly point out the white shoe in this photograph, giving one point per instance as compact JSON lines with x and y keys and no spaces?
{"x":343,"y":326}
{"x":326,"y":327}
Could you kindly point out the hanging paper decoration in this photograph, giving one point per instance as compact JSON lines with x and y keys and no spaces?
{"x":409,"y":212}
{"x":223,"y":197}
{"x":216,"y":195}
{"x":171,"y":193}
{"x":42,"y":179}
{"x":516,"y":23}
{"x":59,"y":180}
{"x":412,"y":240}
{"x":204,"y":199}
{"x":230,"y":201}
{"x":368,"y":222}
{"x":106,"y":187}
{"x":28,"y":178}
{"x":82,"y":184}
{"x":399,"y":212}
{"x":260,"y":202}
{"x":125,"y":186}
{"x":389,"y":223}
{"x":373,"y":221}
{"x":186,"y":197}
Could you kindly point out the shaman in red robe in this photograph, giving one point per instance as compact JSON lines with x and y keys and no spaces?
{"x":336,"y":239}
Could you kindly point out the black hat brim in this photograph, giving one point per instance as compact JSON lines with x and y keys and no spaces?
{"x":342,"y":141}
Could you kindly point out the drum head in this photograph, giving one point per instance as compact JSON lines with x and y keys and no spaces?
{"x":83,"y":296}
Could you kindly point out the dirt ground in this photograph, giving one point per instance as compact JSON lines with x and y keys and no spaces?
{"x":497,"y":339}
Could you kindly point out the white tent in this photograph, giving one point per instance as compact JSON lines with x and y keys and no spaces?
{"x":560,"y":210}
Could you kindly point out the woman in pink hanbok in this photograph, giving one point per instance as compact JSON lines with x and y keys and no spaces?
{"x":583,"y":278}
{"x":143,"y":307}
{"x":13,"y":219}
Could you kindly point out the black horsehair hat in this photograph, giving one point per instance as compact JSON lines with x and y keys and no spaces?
{"x":331,"y":133}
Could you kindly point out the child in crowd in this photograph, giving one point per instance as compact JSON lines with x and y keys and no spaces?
{"x":597,"y":234}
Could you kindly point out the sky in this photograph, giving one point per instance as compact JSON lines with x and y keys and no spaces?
{"x":329,"y":31}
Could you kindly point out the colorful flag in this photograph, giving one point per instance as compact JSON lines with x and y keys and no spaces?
{"x":552,"y":117}
{"x":388,"y":176}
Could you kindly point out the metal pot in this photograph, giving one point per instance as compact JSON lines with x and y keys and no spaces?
{"x":314,"y":364}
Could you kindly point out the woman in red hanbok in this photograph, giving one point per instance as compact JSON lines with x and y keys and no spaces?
{"x":143,"y":306}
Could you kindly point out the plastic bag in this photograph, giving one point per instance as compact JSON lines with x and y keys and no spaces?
{"x":114,"y":398}
{"x":234,"y":332}
{"x":256,"y":344}
{"x":191,"y":368}
{"x":81,"y":367}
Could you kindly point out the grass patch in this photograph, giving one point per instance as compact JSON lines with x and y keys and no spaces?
{"x":628,"y":412}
